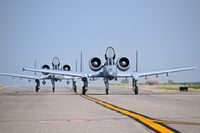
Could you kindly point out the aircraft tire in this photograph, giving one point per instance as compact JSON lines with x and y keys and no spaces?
{"x":107,"y":91}
{"x":83,"y":91}
{"x":36,"y":89}
{"x":136,"y":90}
{"x":75,"y":90}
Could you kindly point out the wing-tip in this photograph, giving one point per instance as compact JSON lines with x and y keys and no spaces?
{"x":193,"y":67}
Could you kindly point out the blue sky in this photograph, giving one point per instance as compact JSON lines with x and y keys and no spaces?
{"x":166,"y":33}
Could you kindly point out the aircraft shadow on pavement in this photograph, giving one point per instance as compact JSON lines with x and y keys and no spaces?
{"x":144,"y":93}
{"x":33,"y":93}
{"x":116,"y":94}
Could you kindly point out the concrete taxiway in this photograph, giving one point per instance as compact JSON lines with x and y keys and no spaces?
{"x":23,"y":110}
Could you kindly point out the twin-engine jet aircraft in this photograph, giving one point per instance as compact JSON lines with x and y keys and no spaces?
{"x":111,"y":69}
{"x":48,"y":76}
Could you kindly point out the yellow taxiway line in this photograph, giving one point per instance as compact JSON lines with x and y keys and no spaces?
{"x":151,"y":123}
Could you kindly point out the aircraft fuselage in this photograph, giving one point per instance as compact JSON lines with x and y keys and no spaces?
{"x":110,"y":71}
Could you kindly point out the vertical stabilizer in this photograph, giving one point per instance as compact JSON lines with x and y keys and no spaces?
{"x":76,"y":65}
{"x":35,"y":65}
{"x":81,"y":62}
{"x":136,"y":61}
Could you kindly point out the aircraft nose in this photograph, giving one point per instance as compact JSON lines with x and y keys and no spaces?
{"x":110,"y":73}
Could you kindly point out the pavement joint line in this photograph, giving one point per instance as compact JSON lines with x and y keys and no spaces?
{"x":176,"y":122}
{"x":153,"y":124}
{"x":60,"y":120}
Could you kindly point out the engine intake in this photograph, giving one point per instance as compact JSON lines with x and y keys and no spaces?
{"x":95,"y":64}
{"x":123,"y":63}
{"x":66,"y":67}
{"x":45,"y":67}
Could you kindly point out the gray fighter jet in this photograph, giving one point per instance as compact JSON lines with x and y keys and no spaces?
{"x":48,"y":76}
{"x":110,"y":70}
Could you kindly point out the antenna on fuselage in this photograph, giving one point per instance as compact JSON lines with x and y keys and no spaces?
{"x":136,"y":61}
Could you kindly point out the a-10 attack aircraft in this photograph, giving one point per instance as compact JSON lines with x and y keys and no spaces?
{"x":47,"y":76}
{"x":111,"y":69}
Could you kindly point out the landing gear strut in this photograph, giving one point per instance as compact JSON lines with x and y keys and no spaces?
{"x":107,"y":86}
{"x":53,"y":85}
{"x":84,"y":90}
{"x":135,"y":87}
{"x":74,"y":86}
{"x":37,"y":87}
{"x":85,"y":85}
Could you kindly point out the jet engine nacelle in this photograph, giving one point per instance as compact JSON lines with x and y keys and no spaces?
{"x":123,"y":63}
{"x":66,"y":67}
{"x":95,"y":64}
{"x":45,"y":67}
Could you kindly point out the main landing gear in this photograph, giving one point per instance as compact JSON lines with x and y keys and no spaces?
{"x":134,"y":86}
{"x":85,"y":85}
{"x":107,"y":86}
{"x":53,"y":85}
{"x":37,"y":87}
{"x":74,"y":86}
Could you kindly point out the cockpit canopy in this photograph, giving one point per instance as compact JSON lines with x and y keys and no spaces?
{"x":110,"y":53}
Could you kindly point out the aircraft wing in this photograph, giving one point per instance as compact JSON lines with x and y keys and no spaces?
{"x":67,"y":77}
{"x":20,"y":76}
{"x":124,"y":74}
{"x":59,"y":72}
{"x":136,"y":75}
{"x":95,"y":75}
{"x":66,"y":74}
{"x":37,"y":77}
